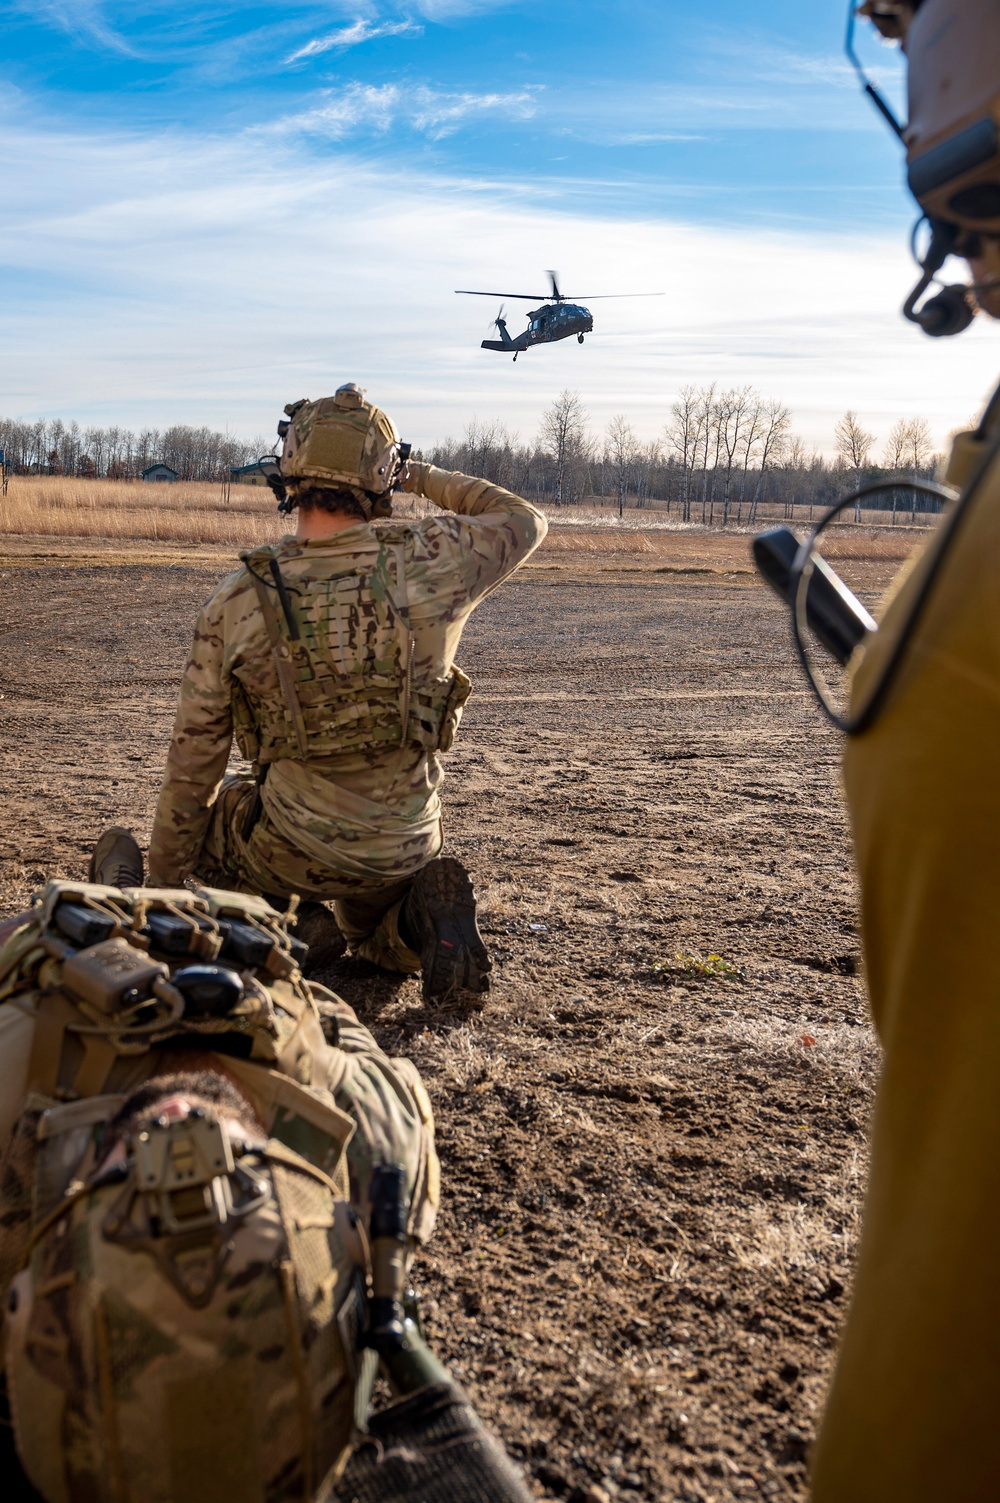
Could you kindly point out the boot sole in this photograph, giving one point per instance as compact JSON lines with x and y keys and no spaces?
{"x":453,"y":956}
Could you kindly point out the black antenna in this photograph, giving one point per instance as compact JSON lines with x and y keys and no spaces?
{"x":884,"y":109}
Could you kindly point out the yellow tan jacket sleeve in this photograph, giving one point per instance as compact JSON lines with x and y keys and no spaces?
{"x":912,"y":1409}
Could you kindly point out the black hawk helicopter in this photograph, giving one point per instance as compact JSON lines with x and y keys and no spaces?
{"x":559,"y":318}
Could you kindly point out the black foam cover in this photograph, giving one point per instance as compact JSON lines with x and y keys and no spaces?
{"x":430,"y":1448}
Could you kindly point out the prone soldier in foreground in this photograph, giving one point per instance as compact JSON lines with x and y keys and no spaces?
{"x":331,"y":657}
{"x":213,"y":1183}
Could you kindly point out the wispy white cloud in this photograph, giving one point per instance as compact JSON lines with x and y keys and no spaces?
{"x":355,"y":35}
{"x":83,"y":19}
{"x":750,"y":66}
{"x":650,"y":137}
{"x":147,"y":275}
{"x":434,"y":113}
{"x":446,"y":10}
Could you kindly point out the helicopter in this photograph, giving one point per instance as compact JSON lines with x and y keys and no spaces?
{"x":559,"y":318}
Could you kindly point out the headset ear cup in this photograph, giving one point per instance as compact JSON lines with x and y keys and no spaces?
{"x":949,"y":311}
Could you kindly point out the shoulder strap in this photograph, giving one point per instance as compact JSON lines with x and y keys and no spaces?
{"x":401,"y":601}
{"x":280,"y":650}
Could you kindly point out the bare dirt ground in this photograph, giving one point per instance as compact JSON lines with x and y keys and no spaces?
{"x":651,"y":1175}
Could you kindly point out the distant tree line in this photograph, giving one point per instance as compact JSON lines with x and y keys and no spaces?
{"x":57,"y":448}
{"x":722,"y":455}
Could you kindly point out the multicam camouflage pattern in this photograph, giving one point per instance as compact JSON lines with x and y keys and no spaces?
{"x":125,"y":1391}
{"x":320,"y":1083}
{"x":269,"y":860}
{"x":342,"y":441}
{"x":236,"y":1378}
{"x":348,"y":684}
{"x":361,"y":810}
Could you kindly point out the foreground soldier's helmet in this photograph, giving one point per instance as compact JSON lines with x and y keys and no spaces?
{"x":175,"y":1333}
{"x":343,"y":442}
{"x":952,"y":135}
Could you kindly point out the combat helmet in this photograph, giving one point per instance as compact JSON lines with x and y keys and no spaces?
{"x":343,"y":442}
{"x":183,"y":1326}
{"x":952,"y":138}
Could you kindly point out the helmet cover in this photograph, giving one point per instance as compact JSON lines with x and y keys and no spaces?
{"x":342,"y":442}
{"x":953,"y":132}
{"x":176,"y":1334}
{"x":890,"y":17}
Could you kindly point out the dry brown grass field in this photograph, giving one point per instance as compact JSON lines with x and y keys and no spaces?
{"x":110,"y":511}
{"x":652,"y":1159}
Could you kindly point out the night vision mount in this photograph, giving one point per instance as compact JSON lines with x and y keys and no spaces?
{"x":270,"y":467}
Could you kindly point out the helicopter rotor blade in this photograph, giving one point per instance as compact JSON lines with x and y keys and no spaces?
{"x":553,"y":277}
{"x":600,"y":297}
{"x":527,"y":297}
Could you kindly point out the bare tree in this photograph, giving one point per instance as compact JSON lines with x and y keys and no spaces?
{"x":773,"y":443}
{"x":563,"y":434}
{"x":488,"y":451}
{"x":919,"y":449}
{"x":647,"y":462}
{"x":732,"y":412}
{"x":709,"y":417}
{"x":919,"y":446}
{"x":895,"y":445}
{"x":894,"y":456}
{"x":683,"y":434}
{"x":854,"y":445}
{"x":620,"y":449}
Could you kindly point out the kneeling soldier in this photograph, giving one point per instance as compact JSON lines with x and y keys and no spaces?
{"x":331,"y":656}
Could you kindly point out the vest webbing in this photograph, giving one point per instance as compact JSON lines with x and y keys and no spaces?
{"x":345,"y":683}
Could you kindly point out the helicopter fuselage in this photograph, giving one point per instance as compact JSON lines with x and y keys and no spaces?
{"x":546,"y":324}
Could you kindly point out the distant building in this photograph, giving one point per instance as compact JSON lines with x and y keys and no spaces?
{"x":159,"y":472}
{"x":246,"y":474}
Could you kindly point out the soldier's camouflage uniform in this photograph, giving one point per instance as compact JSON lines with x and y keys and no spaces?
{"x":103,"y":1341}
{"x":350,"y":802}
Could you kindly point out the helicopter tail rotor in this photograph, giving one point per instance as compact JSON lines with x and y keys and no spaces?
{"x":495,"y":322}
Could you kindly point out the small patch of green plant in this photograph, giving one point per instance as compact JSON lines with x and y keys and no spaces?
{"x":693,"y":967}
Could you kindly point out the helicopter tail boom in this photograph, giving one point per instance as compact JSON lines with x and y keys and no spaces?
{"x":504,"y":342}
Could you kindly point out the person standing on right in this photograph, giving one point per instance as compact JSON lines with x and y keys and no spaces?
{"x":912,"y":1412}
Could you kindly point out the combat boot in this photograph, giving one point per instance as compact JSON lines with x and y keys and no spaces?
{"x":438,"y":920}
{"x":116,"y":860}
{"x":316,"y":927}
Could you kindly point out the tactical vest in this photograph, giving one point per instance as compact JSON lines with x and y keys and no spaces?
{"x":339,"y":676}
{"x":109,"y":979}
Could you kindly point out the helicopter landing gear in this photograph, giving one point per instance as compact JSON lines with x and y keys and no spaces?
{"x":579,"y":339}
{"x":515,"y":357}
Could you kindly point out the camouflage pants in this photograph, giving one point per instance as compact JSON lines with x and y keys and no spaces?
{"x":367,"y":912}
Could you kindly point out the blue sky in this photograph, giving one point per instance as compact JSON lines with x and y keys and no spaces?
{"x":212,"y":208}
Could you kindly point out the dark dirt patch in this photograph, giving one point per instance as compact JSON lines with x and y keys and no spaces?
{"x":650,"y":1186}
